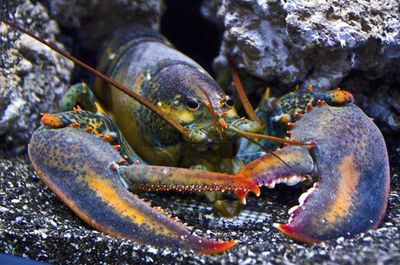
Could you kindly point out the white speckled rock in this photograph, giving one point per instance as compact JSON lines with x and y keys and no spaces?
{"x":32,"y":78}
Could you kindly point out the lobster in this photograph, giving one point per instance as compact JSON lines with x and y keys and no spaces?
{"x":336,"y":146}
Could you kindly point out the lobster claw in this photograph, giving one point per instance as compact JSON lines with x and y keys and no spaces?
{"x":78,"y":168}
{"x":350,"y":166}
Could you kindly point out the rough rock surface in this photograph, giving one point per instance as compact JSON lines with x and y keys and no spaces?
{"x":96,"y":19}
{"x":36,"y":224}
{"x":32,"y":77}
{"x":316,"y":42}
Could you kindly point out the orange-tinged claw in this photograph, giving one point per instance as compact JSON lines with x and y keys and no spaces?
{"x":86,"y":177}
{"x":342,"y":202}
{"x":310,"y":88}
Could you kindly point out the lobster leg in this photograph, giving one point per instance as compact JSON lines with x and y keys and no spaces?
{"x":80,"y":169}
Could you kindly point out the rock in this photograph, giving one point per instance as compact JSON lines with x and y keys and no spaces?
{"x":32,"y":77}
{"x":379,"y":98}
{"x":317,"y":43}
{"x":320,"y":43}
{"x":94,"y":20}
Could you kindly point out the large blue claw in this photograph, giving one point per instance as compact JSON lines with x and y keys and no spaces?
{"x":78,"y":168}
{"x":351,"y":168}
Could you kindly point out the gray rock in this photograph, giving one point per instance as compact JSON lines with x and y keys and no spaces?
{"x":322,"y":43}
{"x":32,"y":77}
{"x":35,"y":224}
{"x":316,"y":42}
{"x":379,"y":98}
{"x":95,"y":20}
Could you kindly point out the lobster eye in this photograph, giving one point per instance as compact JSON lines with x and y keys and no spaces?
{"x":192,"y":104}
{"x":229,"y":101}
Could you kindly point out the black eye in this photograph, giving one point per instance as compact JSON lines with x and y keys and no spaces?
{"x":192,"y":104}
{"x":229,"y":102}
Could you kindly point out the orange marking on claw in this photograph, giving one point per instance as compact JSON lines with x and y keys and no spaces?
{"x":349,"y":178}
{"x":104,"y":189}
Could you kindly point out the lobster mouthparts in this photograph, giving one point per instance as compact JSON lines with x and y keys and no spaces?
{"x":350,"y":164}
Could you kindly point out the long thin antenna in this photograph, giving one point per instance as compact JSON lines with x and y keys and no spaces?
{"x":268,"y":137}
{"x":269,"y":152}
{"x":183,"y":131}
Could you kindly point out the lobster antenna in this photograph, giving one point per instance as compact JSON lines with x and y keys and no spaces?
{"x":270,"y":152}
{"x":268,"y":137}
{"x":241,"y":93}
{"x":183,"y":131}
